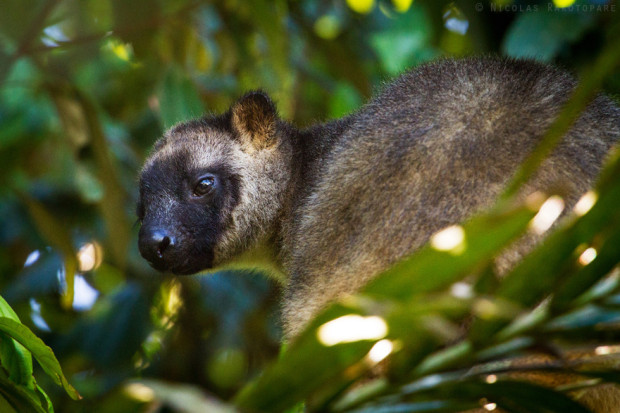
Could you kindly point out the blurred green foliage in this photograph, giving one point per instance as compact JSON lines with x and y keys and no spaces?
{"x":86,"y":86}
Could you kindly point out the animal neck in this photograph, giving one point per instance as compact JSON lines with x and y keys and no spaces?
{"x":310,"y":149}
{"x":262,"y":257}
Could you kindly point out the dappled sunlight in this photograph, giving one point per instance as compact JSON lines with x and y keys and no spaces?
{"x":587,"y":256}
{"x":450,"y":239}
{"x":585,"y":203}
{"x":36,"y":317}
{"x":89,"y":256}
{"x":84,"y":295}
{"x":351,"y":328}
{"x":491,"y":378}
{"x":32,"y":258}
{"x":548,"y":213}
{"x":606,"y":350}
{"x":488,"y":309}
{"x":380,"y":351}
{"x":455,"y":20}
{"x":462,"y":290}
{"x":172,"y":304}
{"x":140,"y":392}
{"x":490,"y":406}
{"x":54,"y":36}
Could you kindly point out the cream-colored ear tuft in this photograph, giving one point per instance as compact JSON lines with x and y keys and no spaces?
{"x":254,"y":119}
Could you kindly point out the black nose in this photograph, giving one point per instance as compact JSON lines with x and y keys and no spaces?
{"x":155,"y":245}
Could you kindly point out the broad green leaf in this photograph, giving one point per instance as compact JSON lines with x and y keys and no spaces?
{"x":536,"y":276}
{"x":42,"y":353}
{"x":606,"y":259}
{"x":515,"y":396}
{"x":7,"y":311}
{"x":300,"y":374}
{"x":17,"y":360}
{"x":430,"y":269}
{"x":542,"y":34}
{"x":464,"y":394}
{"x":588,"y":316}
{"x":14,"y":357}
{"x":299,"y":371}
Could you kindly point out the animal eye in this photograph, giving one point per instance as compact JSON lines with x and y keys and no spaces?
{"x":204,"y":186}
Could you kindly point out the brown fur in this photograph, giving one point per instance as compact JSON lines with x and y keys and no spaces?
{"x":435,"y":146}
{"x":337,"y":203}
{"x":333,"y":205}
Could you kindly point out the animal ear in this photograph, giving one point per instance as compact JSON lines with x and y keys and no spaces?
{"x":254,"y":119}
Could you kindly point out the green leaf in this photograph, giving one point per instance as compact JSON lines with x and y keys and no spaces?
{"x":345,"y":99}
{"x":15,"y":358}
{"x":430,"y":269}
{"x":46,"y":398}
{"x":299,"y":371}
{"x":20,"y":398}
{"x":605,"y":261}
{"x":415,"y":407}
{"x":542,"y":270}
{"x":7,"y":311}
{"x":178,"y":99}
{"x":515,"y":396}
{"x":42,"y":353}
{"x":89,"y":186}
{"x":5,"y":406}
{"x":406,"y":43}
{"x":511,"y":395}
{"x":542,"y":34}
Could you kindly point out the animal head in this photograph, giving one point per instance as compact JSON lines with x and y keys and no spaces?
{"x":213,"y":187}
